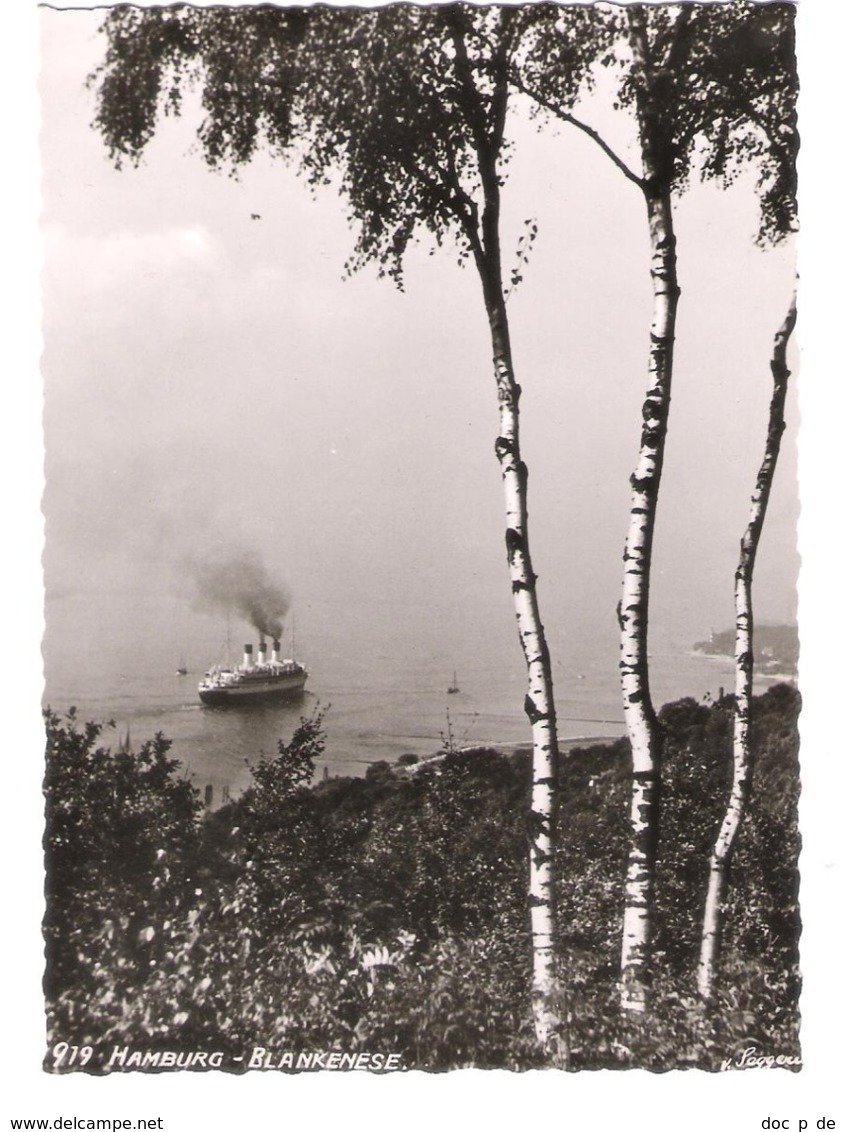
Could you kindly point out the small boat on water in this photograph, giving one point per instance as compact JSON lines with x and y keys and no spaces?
{"x":182,"y":670}
{"x":252,"y":681}
{"x":453,"y":688}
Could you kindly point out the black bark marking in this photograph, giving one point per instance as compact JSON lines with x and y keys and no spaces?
{"x":535,"y":716}
{"x":654,"y":409}
{"x":644,"y":484}
{"x":503,"y":447}
{"x":539,"y":856}
{"x":513,"y":541}
{"x":651,"y":438}
{"x":638,"y":904}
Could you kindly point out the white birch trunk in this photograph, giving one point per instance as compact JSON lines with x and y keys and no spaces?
{"x":712,"y":921}
{"x":642,"y":725}
{"x":547,"y":997}
{"x":548,"y":1002}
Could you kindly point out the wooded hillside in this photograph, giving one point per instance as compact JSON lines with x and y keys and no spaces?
{"x":389,"y":913}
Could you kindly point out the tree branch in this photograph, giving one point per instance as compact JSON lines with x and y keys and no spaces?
{"x":565,"y":116}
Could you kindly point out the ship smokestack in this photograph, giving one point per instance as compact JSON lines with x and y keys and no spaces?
{"x":275,"y":654}
{"x":248,"y":656}
{"x":262,"y":652}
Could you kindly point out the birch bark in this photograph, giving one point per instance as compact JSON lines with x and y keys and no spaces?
{"x":641,"y":722}
{"x":714,"y":915}
{"x":642,"y":725}
{"x":547,"y":995}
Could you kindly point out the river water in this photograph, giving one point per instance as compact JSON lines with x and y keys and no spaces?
{"x":382,"y":682}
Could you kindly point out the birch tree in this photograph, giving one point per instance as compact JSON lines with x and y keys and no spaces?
{"x":408,"y":108}
{"x":744,"y":657}
{"x":771,"y":109}
{"x":701,"y":81}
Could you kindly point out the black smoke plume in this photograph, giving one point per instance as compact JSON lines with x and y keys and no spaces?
{"x":239,"y":583}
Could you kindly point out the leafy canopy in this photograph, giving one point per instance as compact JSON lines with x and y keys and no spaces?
{"x":713,"y":86}
{"x":404,"y":105}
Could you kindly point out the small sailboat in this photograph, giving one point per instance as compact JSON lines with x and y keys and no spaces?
{"x":453,"y":688}
{"x":182,"y":669}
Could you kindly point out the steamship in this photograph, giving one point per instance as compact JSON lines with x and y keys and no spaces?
{"x":252,"y":681}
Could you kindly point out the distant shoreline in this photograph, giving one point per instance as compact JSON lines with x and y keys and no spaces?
{"x":508,"y":749}
{"x":563,"y":744}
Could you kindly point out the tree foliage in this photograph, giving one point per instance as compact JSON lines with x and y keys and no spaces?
{"x":244,"y":59}
{"x":402,"y":107}
{"x":715,"y":92}
{"x":121,"y":839}
{"x":403,"y":903}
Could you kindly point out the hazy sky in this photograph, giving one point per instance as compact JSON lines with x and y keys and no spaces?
{"x":213,"y":380}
